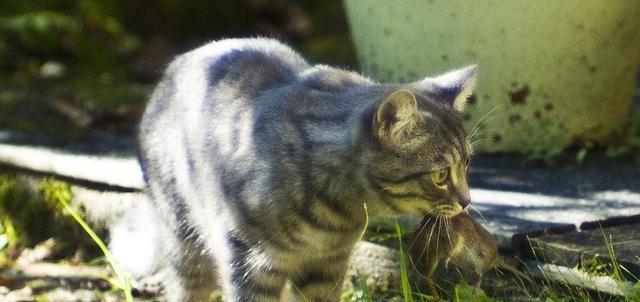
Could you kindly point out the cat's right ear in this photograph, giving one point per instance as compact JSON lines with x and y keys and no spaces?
{"x":396,"y":119}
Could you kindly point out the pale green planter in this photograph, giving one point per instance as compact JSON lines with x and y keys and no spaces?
{"x":556,"y":70}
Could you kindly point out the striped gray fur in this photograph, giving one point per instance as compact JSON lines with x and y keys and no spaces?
{"x":258,"y":166}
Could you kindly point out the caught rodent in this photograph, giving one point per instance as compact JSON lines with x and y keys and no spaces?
{"x":459,"y":240}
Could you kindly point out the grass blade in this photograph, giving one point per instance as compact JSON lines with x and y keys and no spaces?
{"x":123,"y":280}
{"x":404,"y":276}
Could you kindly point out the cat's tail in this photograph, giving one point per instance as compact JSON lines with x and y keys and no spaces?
{"x":134,"y":241}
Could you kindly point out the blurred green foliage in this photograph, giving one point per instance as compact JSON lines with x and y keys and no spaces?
{"x":624,"y":142}
{"x":80,"y":31}
{"x":31,"y":216}
{"x":68,"y":66}
{"x":103,"y":33}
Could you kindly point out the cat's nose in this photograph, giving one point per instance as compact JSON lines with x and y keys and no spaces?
{"x":464,"y":199}
{"x":464,"y":202}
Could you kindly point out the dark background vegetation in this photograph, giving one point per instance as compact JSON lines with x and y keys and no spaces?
{"x":71,"y":66}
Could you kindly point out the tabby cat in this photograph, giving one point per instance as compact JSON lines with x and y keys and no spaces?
{"x":259,"y":167}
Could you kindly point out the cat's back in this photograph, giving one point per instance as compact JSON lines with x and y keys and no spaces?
{"x":227,"y":69}
{"x":213,"y":87}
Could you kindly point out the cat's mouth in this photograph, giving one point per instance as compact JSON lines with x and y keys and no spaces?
{"x":447,"y":210}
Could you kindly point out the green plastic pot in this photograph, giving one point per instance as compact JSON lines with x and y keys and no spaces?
{"x":550,"y":72}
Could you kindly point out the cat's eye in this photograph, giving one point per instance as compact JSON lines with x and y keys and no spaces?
{"x":439,"y":177}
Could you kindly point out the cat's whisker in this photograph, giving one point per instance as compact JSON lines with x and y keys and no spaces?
{"x":481,"y":122}
{"x":478,"y":130}
{"x":438,"y":238}
{"x":447,"y":228}
{"x":486,"y":121}
{"x":476,"y":141}
{"x":420,"y":232}
{"x":484,"y":116}
{"x":479,"y":141}
{"x":473,"y":208}
{"x":426,"y":247}
{"x":487,"y":114}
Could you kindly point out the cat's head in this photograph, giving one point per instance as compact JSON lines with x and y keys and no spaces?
{"x":423,"y":155}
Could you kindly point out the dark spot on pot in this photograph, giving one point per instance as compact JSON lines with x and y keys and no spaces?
{"x":445,"y":58}
{"x":497,"y":137}
{"x":580,"y":27}
{"x":408,"y":17}
{"x":519,"y":97}
{"x":583,"y":59}
{"x":548,"y":106}
{"x":545,"y":95}
{"x":514,"y":84}
{"x":386,"y":31}
{"x":467,"y":116}
{"x":503,"y":30}
{"x":537,"y":114}
{"x":454,"y":15}
{"x":514,"y":118}
{"x":471,"y":100}
{"x":562,"y":126}
{"x":621,"y":24}
{"x":486,"y":97}
{"x":593,"y":69}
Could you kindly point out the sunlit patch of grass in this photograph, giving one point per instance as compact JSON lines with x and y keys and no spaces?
{"x":552,"y":290}
{"x":546,"y":288}
{"x":121,"y":280}
{"x":464,"y":292}
{"x":617,"y":269}
{"x":11,"y":199}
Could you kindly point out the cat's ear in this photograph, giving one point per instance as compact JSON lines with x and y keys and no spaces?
{"x":454,"y":87}
{"x":396,"y":118}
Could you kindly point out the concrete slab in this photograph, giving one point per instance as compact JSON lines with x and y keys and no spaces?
{"x":573,"y":249}
{"x":518,"y":198}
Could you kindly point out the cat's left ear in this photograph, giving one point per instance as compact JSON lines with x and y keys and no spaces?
{"x":453,"y":87}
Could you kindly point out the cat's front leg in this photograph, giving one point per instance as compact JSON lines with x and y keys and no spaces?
{"x":264,"y":286}
{"x":250,"y":277}
{"x":321,"y":280}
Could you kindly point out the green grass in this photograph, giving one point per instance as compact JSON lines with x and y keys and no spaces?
{"x":407,"y":293}
{"x":121,"y":279}
{"x":551,"y":291}
{"x":545,"y":290}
